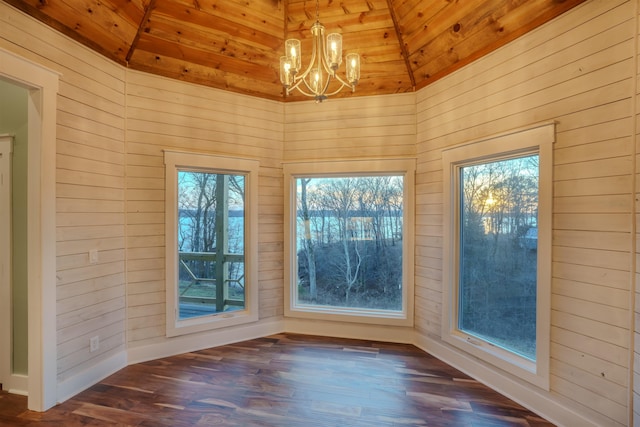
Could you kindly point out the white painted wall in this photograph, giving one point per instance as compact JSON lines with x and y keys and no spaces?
{"x":635,"y":381}
{"x":579,"y":70}
{"x":168,"y":114}
{"x":374,"y":127}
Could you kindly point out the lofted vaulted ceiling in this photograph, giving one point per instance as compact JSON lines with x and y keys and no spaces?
{"x":235,"y":45}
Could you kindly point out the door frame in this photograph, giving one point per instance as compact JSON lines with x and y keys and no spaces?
{"x":14,"y":383}
{"x":42,"y":84}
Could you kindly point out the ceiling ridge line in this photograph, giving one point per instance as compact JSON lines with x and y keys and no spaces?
{"x":136,"y":39}
{"x":403,"y":47}
{"x":285,"y":33}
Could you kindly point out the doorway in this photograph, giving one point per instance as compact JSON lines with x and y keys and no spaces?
{"x":13,"y":229}
{"x":41,"y":86}
{"x":13,"y":283}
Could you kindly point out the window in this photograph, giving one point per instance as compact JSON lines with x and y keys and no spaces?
{"x":350,"y":241}
{"x":498,"y":269}
{"x":211,"y":241}
{"x":498,"y":250}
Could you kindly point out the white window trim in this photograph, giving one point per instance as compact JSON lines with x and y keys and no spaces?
{"x":539,"y":139}
{"x":404,"y":167}
{"x":175,"y":161}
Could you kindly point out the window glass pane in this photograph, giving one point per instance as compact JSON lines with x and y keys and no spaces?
{"x":211,"y":230}
{"x":498,"y":253}
{"x":349,"y":242}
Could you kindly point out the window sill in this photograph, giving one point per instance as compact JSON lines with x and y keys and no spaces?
{"x":352,"y":315}
{"x":211,"y":322}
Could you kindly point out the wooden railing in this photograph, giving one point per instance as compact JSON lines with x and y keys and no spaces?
{"x":220,"y":298}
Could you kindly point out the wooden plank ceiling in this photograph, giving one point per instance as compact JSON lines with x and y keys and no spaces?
{"x":235,"y":45}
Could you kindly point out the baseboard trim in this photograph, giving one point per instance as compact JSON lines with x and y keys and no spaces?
{"x":202,"y":340}
{"x":538,"y":401}
{"x":96,"y":373}
{"x":19,"y":384}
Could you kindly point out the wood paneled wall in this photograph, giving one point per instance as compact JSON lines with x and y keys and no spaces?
{"x":374,"y":127}
{"x":636,"y":347}
{"x":89,"y":187}
{"x":578,"y":70}
{"x":167,"y":114}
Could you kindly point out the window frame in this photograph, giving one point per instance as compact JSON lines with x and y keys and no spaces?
{"x":349,"y":168}
{"x":535,"y":139}
{"x":177,"y":161}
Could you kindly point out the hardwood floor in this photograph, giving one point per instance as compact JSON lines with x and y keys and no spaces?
{"x":284,"y":380}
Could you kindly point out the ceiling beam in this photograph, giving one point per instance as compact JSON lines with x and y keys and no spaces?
{"x":403,"y":47}
{"x":136,"y":39}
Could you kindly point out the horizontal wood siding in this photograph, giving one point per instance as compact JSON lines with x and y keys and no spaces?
{"x":167,"y":114}
{"x":372,"y":127}
{"x":636,"y":353}
{"x":89,"y":190}
{"x":579,"y":71}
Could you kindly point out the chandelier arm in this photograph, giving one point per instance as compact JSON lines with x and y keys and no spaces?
{"x":323,"y":54}
{"x":311,"y":92}
{"x":293,"y":87}
{"x":327,"y":68}
{"x":297,"y":80}
{"x":337,"y":90}
{"x":326,"y":86}
{"x":344,"y":83}
{"x":314,"y":54}
{"x":302,"y":91}
{"x":315,"y":92}
{"x":301,"y":77}
{"x":316,"y":60}
{"x":308,"y":86}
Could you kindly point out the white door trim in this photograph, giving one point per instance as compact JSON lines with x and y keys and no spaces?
{"x":11,"y":382}
{"x":42,"y":84}
{"x":6,"y":149}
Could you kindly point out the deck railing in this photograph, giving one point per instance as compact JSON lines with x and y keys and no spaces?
{"x":212,"y":291}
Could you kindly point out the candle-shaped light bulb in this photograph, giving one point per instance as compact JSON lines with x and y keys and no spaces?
{"x":317,"y":82}
{"x":334,"y":55}
{"x":285,"y":71}
{"x":294,"y":54}
{"x":353,"y":68}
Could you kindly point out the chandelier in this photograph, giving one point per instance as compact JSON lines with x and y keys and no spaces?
{"x":326,"y":58}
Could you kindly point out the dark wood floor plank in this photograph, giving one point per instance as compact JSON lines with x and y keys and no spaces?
{"x":285,"y":380}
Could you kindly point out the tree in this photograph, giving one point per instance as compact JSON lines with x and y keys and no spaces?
{"x":498,"y":280}
{"x":308,"y":241}
{"x":344,"y":228}
{"x":197,"y":216}
{"x":342,"y":197}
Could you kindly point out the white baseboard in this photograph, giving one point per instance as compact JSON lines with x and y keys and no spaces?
{"x":18,"y":384}
{"x":199,"y":341}
{"x":539,"y":401}
{"x":96,"y":373}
